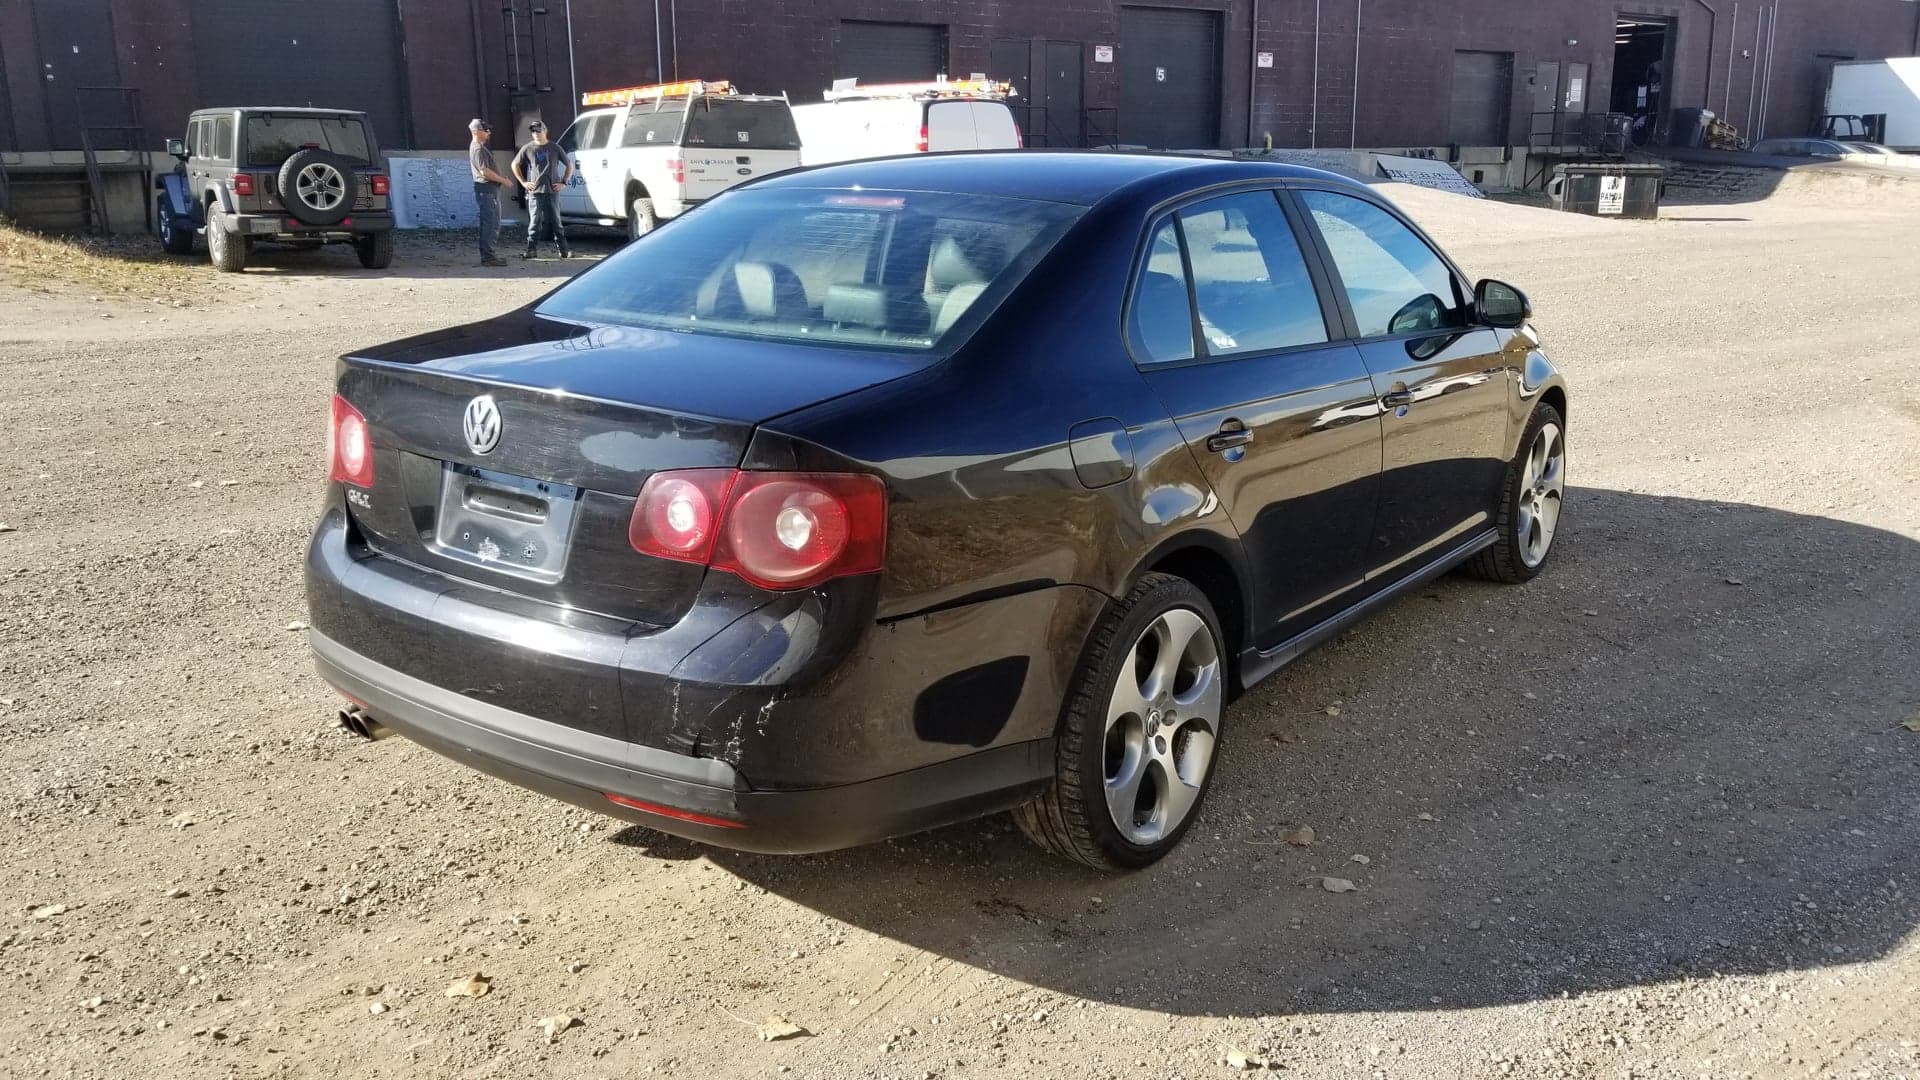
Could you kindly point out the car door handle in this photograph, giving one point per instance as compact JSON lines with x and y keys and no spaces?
{"x":1231,"y":434}
{"x":1395,"y":399}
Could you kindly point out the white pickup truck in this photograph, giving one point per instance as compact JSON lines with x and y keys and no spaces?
{"x":648,"y":153}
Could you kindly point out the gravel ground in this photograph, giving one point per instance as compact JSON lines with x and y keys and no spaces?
{"x":1652,"y":815}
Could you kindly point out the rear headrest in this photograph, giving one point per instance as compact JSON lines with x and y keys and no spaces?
{"x":959,"y":299}
{"x":755,"y":281}
{"x":856,"y":305}
{"x":958,"y":260}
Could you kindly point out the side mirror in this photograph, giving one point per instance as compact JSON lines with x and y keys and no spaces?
{"x":1501,"y":305}
{"x":176,"y":148}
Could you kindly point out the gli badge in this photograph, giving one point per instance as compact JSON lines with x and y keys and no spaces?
{"x":482,"y":424}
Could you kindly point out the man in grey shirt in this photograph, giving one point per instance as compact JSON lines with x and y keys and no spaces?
{"x":487,"y":182}
{"x":543,"y":169}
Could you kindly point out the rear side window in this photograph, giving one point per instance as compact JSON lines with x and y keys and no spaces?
{"x":272,"y":139}
{"x":1250,"y":281}
{"x":223,"y":138}
{"x":900,"y":271}
{"x":1394,"y":282}
{"x":724,"y":123}
{"x":649,"y":126}
{"x":1161,"y":319}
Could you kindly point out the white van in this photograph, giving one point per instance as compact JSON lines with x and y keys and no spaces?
{"x":650,"y":153}
{"x":906,"y":118}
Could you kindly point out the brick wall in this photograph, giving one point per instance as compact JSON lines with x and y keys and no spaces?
{"x":1403,"y":76}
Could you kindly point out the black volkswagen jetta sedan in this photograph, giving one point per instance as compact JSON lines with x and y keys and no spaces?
{"x":879,"y":496}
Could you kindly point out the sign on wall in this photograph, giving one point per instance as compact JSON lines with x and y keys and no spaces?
{"x":1103,"y":54}
{"x":1264,"y":59}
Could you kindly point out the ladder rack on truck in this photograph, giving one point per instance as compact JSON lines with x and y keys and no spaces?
{"x":656,"y":92}
{"x":987,"y":89}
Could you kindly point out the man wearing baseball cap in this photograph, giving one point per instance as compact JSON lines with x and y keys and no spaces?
{"x":543,"y":169}
{"x":487,"y":182}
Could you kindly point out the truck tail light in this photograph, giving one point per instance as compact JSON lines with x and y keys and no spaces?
{"x":378,"y":184}
{"x":776,"y":530}
{"x":349,"y":452}
{"x":243,"y":183}
{"x":678,"y":167}
{"x":923,"y":142}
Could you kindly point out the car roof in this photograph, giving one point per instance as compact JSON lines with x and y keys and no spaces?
{"x":1083,"y":177}
{"x":308,"y":109}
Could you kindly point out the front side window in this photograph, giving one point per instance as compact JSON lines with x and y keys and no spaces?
{"x":1250,"y":281}
{"x":1394,"y":282}
{"x":888,"y":270}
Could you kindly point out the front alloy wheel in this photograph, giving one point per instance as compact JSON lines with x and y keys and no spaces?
{"x":1530,"y":502}
{"x":1136,"y":745}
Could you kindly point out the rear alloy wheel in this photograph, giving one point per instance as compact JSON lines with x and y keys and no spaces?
{"x":226,"y":249}
{"x":318,"y":187}
{"x":640,"y":219}
{"x":375,"y":250}
{"x":1136,"y":750}
{"x":1530,"y":504}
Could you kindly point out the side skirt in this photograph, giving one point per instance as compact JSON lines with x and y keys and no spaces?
{"x":1256,"y":665}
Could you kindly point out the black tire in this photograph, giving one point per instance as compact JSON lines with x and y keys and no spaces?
{"x":176,"y":234}
{"x":641,"y":219}
{"x":375,"y":250}
{"x":226,"y":249}
{"x":1503,"y":562}
{"x":1070,"y":818}
{"x":318,"y":187}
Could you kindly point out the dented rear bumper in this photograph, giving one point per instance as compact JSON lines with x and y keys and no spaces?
{"x":769,"y":722}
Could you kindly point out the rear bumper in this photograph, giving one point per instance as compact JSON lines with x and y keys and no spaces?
{"x":585,"y":768}
{"x":274,"y":226}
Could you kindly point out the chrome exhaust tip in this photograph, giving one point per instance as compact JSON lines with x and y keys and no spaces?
{"x":356,"y":721}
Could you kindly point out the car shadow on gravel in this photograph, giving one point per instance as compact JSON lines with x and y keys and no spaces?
{"x":1679,"y":752}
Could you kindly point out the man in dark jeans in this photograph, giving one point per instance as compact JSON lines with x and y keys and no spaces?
{"x":486,"y":191}
{"x":543,"y":169}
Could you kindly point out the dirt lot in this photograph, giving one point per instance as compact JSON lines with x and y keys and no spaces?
{"x":1653,"y":815}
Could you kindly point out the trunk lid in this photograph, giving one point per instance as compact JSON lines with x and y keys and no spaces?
{"x":576,"y":418}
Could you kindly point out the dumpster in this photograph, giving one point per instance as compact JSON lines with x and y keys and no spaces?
{"x":1607,"y":188}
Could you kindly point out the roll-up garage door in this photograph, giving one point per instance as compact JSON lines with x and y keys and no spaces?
{"x":1482,"y":88}
{"x":880,"y":52}
{"x":1169,"y":77}
{"x":343,"y":54}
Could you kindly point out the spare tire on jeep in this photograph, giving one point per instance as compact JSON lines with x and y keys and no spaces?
{"x":318,"y":188}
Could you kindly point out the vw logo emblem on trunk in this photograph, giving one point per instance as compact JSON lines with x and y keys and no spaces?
{"x":482,"y":424}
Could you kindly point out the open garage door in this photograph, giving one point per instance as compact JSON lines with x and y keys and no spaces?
{"x":343,"y":54}
{"x":880,"y":52}
{"x":1169,"y":78}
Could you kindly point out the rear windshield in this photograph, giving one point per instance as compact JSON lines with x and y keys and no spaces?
{"x":741,"y":125}
{"x":273,"y":139}
{"x":889,"y":270}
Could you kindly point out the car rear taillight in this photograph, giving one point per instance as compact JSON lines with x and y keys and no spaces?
{"x":378,"y":184}
{"x":1019,"y":138}
{"x":242,"y":183}
{"x":349,"y":452}
{"x":678,"y":167}
{"x":923,"y":142}
{"x":673,"y":812}
{"x":776,"y":530}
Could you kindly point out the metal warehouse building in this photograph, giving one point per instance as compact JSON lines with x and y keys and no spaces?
{"x":1171,"y":73}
